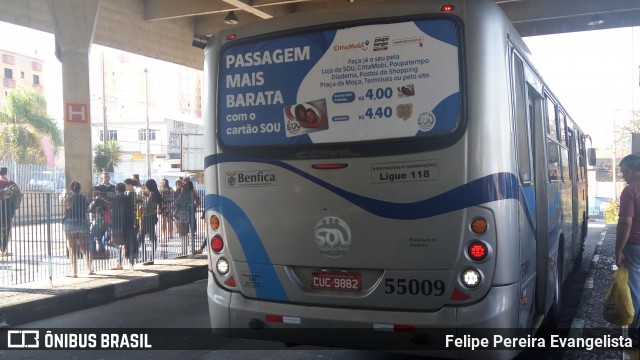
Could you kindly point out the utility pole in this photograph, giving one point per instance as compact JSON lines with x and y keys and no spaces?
{"x":104,"y":108}
{"x":614,"y":166}
{"x":146,"y":91}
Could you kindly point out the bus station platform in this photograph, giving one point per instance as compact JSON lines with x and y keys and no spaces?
{"x":584,"y":295}
{"x":33,"y":301}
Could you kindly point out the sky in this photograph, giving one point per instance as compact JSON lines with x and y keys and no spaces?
{"x":594,"y":74}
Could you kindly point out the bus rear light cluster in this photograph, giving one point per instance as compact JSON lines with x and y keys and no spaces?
{"x":471,"y":278}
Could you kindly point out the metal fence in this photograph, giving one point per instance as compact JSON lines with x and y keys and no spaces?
{"x":38,"y":247}
{"x":35,"y":177}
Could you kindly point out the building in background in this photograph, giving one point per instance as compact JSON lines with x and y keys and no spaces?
{"x":19,"y":71}
{"x":128,"y":89}
{"x":22,"y":71}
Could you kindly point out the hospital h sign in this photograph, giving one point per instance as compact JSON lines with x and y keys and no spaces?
{"x":76,"y":113}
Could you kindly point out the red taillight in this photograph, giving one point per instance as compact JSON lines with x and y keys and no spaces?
{"x":329,"y":166}
{"x":478,"y":251}
{"x":217,"y":244}
{"x":446,"y":8}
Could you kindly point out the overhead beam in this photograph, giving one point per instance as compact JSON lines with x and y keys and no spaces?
{"x":531,"y":11}
{"x":170,"y":9}
{"x":212,"y":23}
{"x":248,"y":8}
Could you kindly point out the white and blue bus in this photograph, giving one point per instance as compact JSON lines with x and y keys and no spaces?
{"x":397,"y":169}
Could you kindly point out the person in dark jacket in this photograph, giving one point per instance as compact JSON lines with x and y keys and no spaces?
{"x":122,"y":223}
{"x":10,"y":198}
{"x":151,"y":200}
{"x":186,"y":204}
{"x":99,"y":211}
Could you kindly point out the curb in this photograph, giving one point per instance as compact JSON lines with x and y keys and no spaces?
{"x":38,"y":304}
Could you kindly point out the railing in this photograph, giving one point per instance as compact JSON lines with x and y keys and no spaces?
{"x":596,"y":213}
{"x":38,"y":247}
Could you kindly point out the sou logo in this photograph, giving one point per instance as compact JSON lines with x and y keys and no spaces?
{"x":333,"y":237}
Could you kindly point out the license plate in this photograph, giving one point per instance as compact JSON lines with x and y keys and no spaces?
{"x":336,"y":281}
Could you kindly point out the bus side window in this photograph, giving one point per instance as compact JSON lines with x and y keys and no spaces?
{"x":553,"y":155}
{"x":523,"y":142}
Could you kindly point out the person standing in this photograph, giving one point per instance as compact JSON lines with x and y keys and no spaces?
{"x":105,"y":185}
{"x":176,"y":195}
{"x":151,"y":199}
{"x":123,"y":219}
{"x":10,"y":198}
{"x":99,"y":211}
{"x":130,"y":191}
{"x":628,"y":234}
{"x":108,"y":190}
{"x":76,"y":227}
{"x":166,"y":210}
{"x":186,"y":204}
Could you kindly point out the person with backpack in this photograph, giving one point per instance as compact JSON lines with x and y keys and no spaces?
{"x":100,"y":215}
{"x":76,"y":228}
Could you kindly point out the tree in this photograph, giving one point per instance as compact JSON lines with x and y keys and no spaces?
{"x":106,"y":156}
{"x":634,"y":123}
{"x":22,"y":123}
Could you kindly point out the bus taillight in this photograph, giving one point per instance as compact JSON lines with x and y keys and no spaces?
{"x":222,"y":266}
{"x":446,"y":8}
{"x":214,"y":222}
{"x":217,"y":243}
{"x":477,"y":251}
{"x":471,"y":278}
{"x":479,"y":226}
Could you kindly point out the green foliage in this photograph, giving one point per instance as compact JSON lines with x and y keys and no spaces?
{"x":22,"y":123}
{"x":611,"y":214}
{"x":106,"y":156}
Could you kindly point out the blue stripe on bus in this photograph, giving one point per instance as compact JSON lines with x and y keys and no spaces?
{"x":259,"y":263}
{"x":530,"y":201}
{"x":494,"y":187}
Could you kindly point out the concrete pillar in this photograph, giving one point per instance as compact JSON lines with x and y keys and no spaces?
{"x":74,"y":22}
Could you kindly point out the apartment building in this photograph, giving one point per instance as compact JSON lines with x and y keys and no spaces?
{"x":19,"y":71}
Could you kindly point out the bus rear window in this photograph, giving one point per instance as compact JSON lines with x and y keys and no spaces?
{"x":355,"y":84}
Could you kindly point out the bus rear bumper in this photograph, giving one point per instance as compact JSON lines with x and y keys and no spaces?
{"x":429,"y":333}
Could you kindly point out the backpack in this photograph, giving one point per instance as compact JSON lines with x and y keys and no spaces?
{"x":102,"y":216}
{"x":107,"y":216}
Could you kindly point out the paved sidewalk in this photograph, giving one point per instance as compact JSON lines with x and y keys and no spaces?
{"x":39,"y":300}
{"x":588,"y":321}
